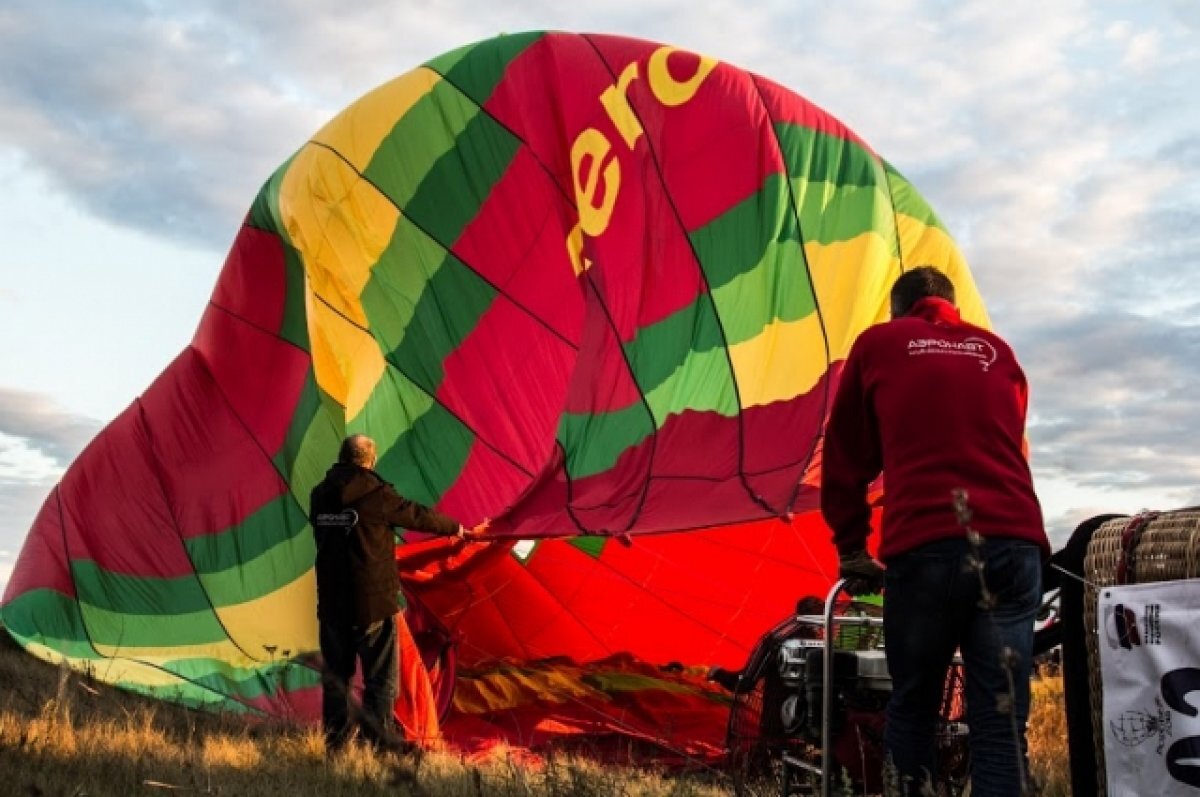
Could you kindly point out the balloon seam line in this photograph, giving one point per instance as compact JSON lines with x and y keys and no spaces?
{"x":62,"y":525}
{"x":895,"y":216}
{"x":387,"y":357}
{"x":696,"y":478}
{"x":445,"y":248}
{"x":812,"y":287}
{"x":234,"y":314}
{"x":703,"y":275}
{"x":88,"y":633}
{"x":141,"y":407}
{"x":203,"y":365}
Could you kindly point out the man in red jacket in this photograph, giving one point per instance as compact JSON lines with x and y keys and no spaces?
{"x":353,"y":512}
{"x":938,"y":406}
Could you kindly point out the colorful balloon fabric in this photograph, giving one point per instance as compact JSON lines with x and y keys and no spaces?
{"x":595,"y":288}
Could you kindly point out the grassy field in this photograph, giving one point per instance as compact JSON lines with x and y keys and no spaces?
{"x":62,"y":735}
{"x":1047,"y":736}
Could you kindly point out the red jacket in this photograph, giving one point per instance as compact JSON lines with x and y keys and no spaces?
{"x":936,"y":404}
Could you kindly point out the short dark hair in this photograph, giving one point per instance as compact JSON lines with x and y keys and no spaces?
{"x":917,"y":284}
{"x":357,"y":449}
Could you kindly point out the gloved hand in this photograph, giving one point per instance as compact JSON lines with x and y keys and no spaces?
{"x":864,"y":576}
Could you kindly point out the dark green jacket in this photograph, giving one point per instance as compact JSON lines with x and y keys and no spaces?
{"x":353,"y":512}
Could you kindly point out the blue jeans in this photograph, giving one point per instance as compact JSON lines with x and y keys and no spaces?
{"x":931,"y":608}
{"x":342,"y":646}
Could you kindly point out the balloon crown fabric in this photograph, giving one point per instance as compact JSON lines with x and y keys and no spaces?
{"x":592,"y":287}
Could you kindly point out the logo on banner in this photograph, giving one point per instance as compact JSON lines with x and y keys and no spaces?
{"x":1133,"y":727}
{"x":1121,"y":628}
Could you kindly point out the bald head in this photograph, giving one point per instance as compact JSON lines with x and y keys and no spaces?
{"x":358,"y":449}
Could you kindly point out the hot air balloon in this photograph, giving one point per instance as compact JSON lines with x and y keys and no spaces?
{"x":595,"y":288}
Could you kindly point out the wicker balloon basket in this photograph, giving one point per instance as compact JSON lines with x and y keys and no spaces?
{"x":1152,"y":546}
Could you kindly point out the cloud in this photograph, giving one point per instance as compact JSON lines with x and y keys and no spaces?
{"x":1111,"y":394}
{"x":1187,"y":12}
{"x":148,"y":121}
{"x":168,"y":119}
{"x":1183,"y":152}
{"x":40,"y":428}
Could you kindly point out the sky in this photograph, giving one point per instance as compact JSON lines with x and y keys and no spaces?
{"x":1059,"y":142}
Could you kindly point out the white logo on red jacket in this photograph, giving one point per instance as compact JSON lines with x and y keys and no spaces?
{"x":975,"y":347}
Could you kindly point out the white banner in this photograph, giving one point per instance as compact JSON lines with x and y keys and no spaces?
{"x":1150,"y":667}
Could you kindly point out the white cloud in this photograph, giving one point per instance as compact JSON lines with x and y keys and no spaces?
{"x":21,"y":462}
{"x":1066,"y":503}
{"x":1142,"y":51}
{"x":38,"y":434}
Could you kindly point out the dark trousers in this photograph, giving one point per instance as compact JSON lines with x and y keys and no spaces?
{"x":375,"y":647}
{"x":933,"y":607}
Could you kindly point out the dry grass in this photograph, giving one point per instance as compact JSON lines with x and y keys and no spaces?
{"x":1047,"y":736}
{"x":62,"y":735}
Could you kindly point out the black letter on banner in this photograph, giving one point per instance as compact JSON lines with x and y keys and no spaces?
{"x":1177,"y":685}
{"x":1188,"y":749}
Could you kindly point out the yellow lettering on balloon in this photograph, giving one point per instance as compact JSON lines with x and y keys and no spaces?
{"x":600,"y":184}
{"x":615,"y":100}
{"x":595,"y":170}
{"x":575,"y":250}
{"x":672,"y":92}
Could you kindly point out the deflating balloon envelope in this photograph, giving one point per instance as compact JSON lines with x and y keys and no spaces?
{"x":595,"y":288}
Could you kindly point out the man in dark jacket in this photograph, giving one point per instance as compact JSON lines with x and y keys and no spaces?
{"x":353,"y":512}
{"x":938,"y":406}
